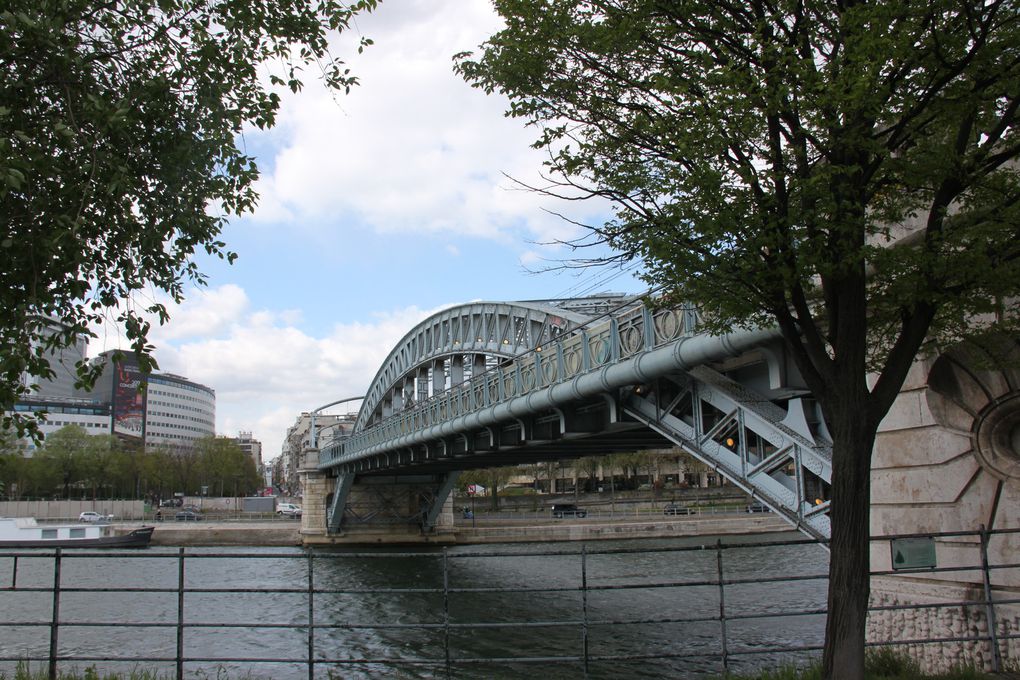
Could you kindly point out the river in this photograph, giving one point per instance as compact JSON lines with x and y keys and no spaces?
{"x":644,"y":598}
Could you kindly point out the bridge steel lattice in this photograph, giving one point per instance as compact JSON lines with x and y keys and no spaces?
{"x":485,"y":385}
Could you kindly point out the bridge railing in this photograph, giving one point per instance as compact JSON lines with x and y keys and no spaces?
{"x":618,"y":335}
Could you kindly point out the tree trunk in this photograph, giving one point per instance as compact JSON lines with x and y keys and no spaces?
{"x":849,"y":563}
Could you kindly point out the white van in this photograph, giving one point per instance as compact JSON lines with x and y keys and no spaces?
{"x":288,"y":509}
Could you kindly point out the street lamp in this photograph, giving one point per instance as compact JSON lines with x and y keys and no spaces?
{"x":313,"y":436}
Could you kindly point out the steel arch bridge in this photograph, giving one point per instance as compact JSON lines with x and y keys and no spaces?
{"x":491,"y":384}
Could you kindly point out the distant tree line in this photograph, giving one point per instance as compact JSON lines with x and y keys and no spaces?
{"x":619,"y":472}
{"x":74,"y":464}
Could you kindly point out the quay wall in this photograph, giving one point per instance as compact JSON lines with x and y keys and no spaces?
{"x":69,"y":510}
{"x":289,"y":533}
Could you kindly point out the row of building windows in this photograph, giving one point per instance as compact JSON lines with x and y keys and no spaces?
{"x":79,"y":423}
{"x":80,"y":410}
{"x":170,"y":435}
{"x":181,"y":407}
{"x":153,"y":427}
{"x":167,"y":414}
{"x":181,"y":386}
{"x":178,"y":398}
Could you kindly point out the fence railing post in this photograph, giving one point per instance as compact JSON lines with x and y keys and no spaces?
{"x":446,"y":613}
{"x":584,"y":606}
{"x":311,"y":617}
{"x":55,"y":620}
{"x":993,"y":638}
{"x":180,"y":614}
{"x":722,"y":605}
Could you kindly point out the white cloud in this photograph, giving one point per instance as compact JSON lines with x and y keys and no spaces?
{"x":413,"y":148}
{"x":266,"y":371}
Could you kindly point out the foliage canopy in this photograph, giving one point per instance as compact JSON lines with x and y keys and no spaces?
{"x":759,"y":154}
{"x":119,"y":153}
{"x":844,"y":170}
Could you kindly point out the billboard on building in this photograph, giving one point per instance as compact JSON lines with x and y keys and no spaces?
{"x":128,"y":402}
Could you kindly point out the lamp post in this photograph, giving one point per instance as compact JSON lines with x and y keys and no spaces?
{"x":313,"y":435}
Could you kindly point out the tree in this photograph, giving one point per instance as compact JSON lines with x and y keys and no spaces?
{"x":224,"y":466}
{"x":491,"y":478}
{"x":66,"y":456}
{"x":843,"y":170}
{"x":120,"y":158}
{"x":98,"y":462}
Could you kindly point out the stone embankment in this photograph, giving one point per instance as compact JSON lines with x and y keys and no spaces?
{"x":284,"y":533}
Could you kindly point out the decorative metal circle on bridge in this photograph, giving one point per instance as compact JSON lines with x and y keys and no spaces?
{"x":572,"y":361}
{"x":975,"y":389}
{"x":668,"y":325}
{"x":528,"y":378}
{"x":600,"y":351}
{"x":630,"y":340}
{"x":549,"y":370}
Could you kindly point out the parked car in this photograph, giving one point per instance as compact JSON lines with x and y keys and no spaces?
{"x":91,"y":517}
{"x":288,"y":509}
{"x":561,"y":510}
{"x":757,"y":506}
{"x":188,"y":515}
{"x":676,"y":509}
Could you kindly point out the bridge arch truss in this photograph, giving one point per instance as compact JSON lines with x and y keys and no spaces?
{"x":638,"y":378}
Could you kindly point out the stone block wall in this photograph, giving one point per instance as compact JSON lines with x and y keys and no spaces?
{"x":946,"y":460}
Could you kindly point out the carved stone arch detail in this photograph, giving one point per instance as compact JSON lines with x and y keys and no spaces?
{"x":974,"y":389}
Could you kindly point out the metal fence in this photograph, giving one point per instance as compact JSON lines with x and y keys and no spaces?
{"x":720,"y":574}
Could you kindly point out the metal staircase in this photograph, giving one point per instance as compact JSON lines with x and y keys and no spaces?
{"x":783,"y":458}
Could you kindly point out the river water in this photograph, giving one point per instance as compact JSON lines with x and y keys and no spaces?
{"x":644,"y":599}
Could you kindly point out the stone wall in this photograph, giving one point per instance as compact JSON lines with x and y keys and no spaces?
{"x":69,"y":510}
{"x":960,"y":624}
{"x":946,"y":460}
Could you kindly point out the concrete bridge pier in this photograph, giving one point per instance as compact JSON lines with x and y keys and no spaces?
{"x":388,"y":508}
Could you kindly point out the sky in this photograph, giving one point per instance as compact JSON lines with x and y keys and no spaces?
{"x":378,"y":208}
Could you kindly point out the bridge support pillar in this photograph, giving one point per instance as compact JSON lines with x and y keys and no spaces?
{"x":379,"y":509}
{"x":315,"y":487}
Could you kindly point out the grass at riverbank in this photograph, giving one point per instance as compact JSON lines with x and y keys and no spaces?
{"x":883,"y":664}
{"x":880,"y":665}
{"x":25,"y":672}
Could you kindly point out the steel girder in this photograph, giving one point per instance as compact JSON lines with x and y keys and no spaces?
{"x":436,"y":505}
{"x":335,"y":511}
{"x":493,"y":329}
{"x":782,"y":457}
{"x":385,"y":499}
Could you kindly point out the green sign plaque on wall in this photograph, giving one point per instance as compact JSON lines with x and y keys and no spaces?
{"x":913,"y":553}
